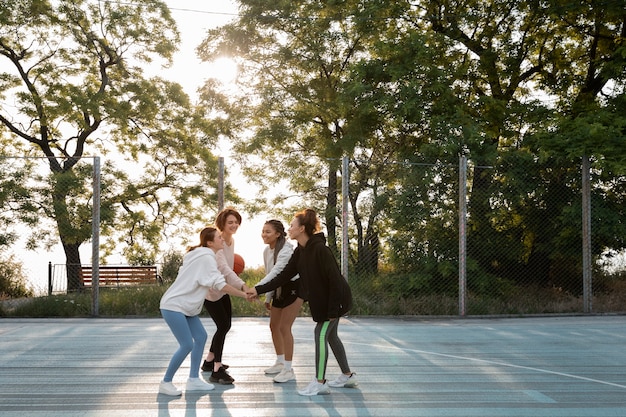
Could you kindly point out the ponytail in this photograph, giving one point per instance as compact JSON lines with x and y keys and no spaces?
{"x":308,"y":218}
{"x":206,"y":235}
{"x":280,"y":242}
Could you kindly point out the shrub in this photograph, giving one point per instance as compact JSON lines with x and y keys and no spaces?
{"x":12,"y":279}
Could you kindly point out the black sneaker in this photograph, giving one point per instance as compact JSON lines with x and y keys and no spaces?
{"x":208,"y":366}
{"x":221,"y":377}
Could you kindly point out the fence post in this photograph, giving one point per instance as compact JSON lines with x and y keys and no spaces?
{"x":586,"y":232}
{"x":462,"y":234}
{"x":220,"y":184}
{"x":345,"y":197}
{"x":49,"y":278}
{"x":95,"y":239}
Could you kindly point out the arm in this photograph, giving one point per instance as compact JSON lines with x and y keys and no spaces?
{"x":229,"y":289}
{"x":229,"y":275}
{"x":281,"y":262}
{"x":335,"y":285}
{"x":289,"y":271}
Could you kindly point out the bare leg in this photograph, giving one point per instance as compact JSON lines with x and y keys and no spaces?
{"x":287,"y":319}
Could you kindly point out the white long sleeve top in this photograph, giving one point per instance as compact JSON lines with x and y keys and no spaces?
{"x":272,"y":269}
{"x":225,"y":263}
{"x":196,"y":275}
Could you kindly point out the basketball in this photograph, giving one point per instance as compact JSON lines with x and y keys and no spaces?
{"x":239,"y":264}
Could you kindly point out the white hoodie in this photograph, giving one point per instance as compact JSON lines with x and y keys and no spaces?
{"x":197,"y":274}
{"x":272,"y":269}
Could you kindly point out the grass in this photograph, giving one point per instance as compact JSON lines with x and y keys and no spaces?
{"x":122,"y":302}
{"x":144,"y":302}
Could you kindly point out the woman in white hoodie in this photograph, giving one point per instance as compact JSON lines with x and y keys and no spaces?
{"x":181,"y":305}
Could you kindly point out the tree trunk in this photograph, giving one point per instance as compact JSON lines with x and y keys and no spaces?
{"x":69,"y":235}
{"x":72,"y":263}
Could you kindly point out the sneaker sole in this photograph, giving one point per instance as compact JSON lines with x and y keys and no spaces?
{"x":311,"y":394}
{"x":283,"y":380}
{"x":221,"y":381}
{"x":171,"y":394}
{"x":308,"y":394}
{"x":346,"y":385}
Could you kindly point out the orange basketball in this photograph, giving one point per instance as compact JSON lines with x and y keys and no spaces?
{"x":239,"y":264}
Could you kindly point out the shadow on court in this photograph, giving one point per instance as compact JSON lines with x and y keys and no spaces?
{"x":548,"y":366}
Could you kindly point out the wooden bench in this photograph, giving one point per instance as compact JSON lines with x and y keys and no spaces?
{"x":121,"y":275}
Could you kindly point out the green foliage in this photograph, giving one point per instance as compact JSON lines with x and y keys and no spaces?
{"x":480,"y":99}
{"x":172,"y":260}
{"x":12,"y":279}
{"x":75,"y":75}
{"x":380,"y":294}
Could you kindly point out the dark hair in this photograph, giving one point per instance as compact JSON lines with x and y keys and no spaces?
{"x":308,"y":219}
{"x":206,"y":235}
{"x":280,"y":242}
{"x":220,"y":220}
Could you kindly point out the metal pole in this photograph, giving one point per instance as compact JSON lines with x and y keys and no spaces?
{"x":49,"y":278}
{"x":345,"y":197}
{"x":220,"y":184}
{"x":95,"y":239}
{"x":586,"y":212}
{"x":462,"y":234}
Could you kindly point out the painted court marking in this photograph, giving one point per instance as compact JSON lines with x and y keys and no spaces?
{"x":489,"y":362}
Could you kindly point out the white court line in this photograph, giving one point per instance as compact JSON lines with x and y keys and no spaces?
{"x":485,"y":361}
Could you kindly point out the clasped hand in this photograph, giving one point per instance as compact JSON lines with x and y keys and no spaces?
{"x":251,"y":294}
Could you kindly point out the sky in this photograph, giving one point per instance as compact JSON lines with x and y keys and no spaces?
{"x":194,"y":18}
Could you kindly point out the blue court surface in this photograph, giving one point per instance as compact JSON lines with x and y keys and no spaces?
{"x":540,"y":366}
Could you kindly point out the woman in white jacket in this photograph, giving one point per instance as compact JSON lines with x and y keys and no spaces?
{"x":284,"y":303}
{"x":182,"y":302}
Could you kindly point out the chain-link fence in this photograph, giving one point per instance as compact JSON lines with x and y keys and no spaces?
{"x":514,"y":243}
{"x":426,"y":239}
{"x":48,"y":206}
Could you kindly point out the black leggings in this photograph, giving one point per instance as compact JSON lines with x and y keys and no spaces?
{"x":221,"y":312}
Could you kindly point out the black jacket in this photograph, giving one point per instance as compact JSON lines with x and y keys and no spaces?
{"x":321,"y":282}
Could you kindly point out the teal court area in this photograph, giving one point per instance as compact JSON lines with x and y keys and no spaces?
{"x":542,"y":366}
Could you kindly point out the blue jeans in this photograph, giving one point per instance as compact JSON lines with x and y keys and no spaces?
{"x":191,"y":336}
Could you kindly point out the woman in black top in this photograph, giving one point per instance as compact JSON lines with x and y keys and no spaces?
{"x":327,"y":292}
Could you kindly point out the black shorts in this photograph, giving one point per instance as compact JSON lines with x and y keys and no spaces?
{"x":288,"y":295}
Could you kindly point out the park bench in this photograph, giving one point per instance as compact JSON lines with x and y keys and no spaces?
{"x":121,"y":275}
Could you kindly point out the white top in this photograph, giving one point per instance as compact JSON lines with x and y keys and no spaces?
{"x":225,"y":263}
{"x":196,"y":275}
{"x":271,"y":269}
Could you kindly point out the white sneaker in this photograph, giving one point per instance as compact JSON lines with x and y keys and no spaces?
{"x":315,"y":388}
{"x":196,"y":384}
{"x":275,"y":369}
{"x":168,"y":388}
{"x":285,"y":375}
{"x":344,"y":381}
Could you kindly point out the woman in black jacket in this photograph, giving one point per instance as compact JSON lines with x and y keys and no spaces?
{"x":327,"y":292}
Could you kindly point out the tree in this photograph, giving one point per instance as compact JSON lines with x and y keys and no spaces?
{"x":305,"y":106}
{"x":77,"y":78}
{"x":534,"y":82}
{"x":420,"y":83}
